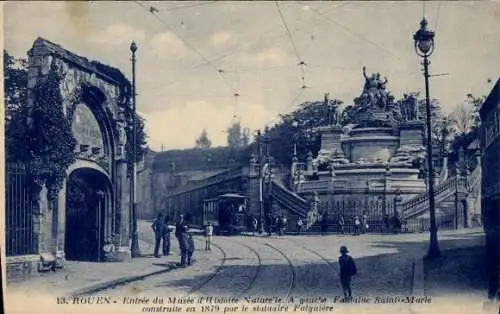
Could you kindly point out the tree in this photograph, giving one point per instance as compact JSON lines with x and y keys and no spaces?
{"x":234,"y":135}
{"x":15,"y":84}
{"x":16,"y":113}
{"x":203,"y":141}
{"x":237,"y":136}
{"x":301,"y":126}
{"x":140,"y":141}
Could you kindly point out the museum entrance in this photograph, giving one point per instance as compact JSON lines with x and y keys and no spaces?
{"x":87,"y":196}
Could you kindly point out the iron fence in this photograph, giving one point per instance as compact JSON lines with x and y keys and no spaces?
{"x":19,"y":236}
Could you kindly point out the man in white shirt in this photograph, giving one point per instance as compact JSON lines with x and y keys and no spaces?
{"x":209,"y":230}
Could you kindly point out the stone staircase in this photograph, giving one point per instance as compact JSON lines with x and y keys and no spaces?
{"x":444,"y":192}
{"x":292,"y":202}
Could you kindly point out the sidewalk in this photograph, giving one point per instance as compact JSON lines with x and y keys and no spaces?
{"x":78,"y":278}
{"x":84,"y":277}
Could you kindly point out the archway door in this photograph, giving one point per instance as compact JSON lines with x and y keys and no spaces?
{"x":88,"y":214}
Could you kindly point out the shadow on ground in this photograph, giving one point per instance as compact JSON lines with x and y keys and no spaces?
{"x":460,"y":272}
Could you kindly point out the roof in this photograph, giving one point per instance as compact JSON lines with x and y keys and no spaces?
{"x":232,"y":195}
{"x":491,"y":101}
{"x":106,"y":72}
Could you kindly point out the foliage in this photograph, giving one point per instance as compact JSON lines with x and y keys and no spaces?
{"x":236,"y":136}
{"x":140,"y":140}
{"x":16,"y":113}
{"x":466,"y":114}
{"x":15,"y":84}
{"x":300,"y":126}
{"x":200,"y":159}
{"x":203,"y":141}
{"x":48,"y":139}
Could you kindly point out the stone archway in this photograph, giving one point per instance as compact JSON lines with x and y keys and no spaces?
{"x":95,"y":98}
{"x":88,"y":204}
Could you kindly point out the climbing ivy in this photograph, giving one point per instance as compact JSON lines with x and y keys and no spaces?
{"x":49,"y":141}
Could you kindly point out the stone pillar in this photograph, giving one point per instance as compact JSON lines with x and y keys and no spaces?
{"x":122,"y":205}
{"x":411,"y":133}
{"x":330,"y":138}
{"x":61,"y":222}
{"x":309,"y":161}
{"x":253,"y":191}
{"x":387,"y":187}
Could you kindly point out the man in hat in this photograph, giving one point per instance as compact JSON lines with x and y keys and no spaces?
{"x":347,"y":270}
{"x":158,"y":229}
{"x":180,"y":233}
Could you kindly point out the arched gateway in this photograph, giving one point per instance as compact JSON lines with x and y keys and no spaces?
{"x":93,"y":205}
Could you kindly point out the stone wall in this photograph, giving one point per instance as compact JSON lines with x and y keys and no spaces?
{"x":83,"y":83}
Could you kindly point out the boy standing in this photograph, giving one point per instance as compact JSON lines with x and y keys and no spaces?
{"x":190,"y":249}
{"x":209,"y":230}
{"x":347,"y":270}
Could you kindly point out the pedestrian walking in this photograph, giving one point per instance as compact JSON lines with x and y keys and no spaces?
{"x":300,"y":223}
{"x":284,"y":223}
{"x":340,"y":222}
{"x":365,"y":225}
{"x":357,"y":225}
{"x":209,"y":230}
{"x":190,"y":249}
{"x":180,"y":233}
{"x":347,"y":270}
{"x":158,"y":229}
{"x":324,"y":224}
{"x":385,"y":222}
{"x":166,"y":236}
{"x":254,"y":226}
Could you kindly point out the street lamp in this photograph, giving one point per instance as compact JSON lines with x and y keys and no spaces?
{"x":424,"y":46}
{"x":134,"y":250}
{"x":295,"y":126}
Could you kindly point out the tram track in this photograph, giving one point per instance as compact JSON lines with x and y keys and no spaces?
{"x":291,"y":266}
{"x":214,"y":274}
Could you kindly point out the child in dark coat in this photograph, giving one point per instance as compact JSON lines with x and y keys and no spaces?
{"x":347,"y":270}
{"x":190,"y":249}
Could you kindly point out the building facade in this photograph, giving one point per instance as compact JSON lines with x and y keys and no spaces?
{"x":93,"y":205}
{"x":490,"y":193}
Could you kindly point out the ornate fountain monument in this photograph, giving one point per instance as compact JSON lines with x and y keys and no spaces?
{"x":370,"y":157}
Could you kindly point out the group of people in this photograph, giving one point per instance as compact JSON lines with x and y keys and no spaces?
{"x":162,"y":230}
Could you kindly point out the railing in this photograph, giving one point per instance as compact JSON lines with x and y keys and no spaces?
{"x":289,"y":199}
{"x":420,"y":203}
{"x":475,"y":178}
{"x":19,"y":236}
{"x":312,"y":186}
{"x":213,"y":180}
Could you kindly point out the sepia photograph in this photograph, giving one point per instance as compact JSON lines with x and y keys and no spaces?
{"x":251,"y":156}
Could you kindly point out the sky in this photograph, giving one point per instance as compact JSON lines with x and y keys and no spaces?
{"x":193,"y":57}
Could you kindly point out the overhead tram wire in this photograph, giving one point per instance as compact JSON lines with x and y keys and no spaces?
{"x":326,"y":17}
{"x":187,"y":44}
{"x":286,"y":108}
{"x":301,"y":64}
{"x":437,"y":16}
{"x":190,"y":6}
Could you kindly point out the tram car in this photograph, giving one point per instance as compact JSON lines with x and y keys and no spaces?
{"x":227,"y":213}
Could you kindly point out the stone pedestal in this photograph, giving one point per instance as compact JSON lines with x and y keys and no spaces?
{"x":330,"y":138}
{"x":371,"y":144}
{"x":411,"y":133}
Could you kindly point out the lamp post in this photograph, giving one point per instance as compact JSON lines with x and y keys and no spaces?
{"x":295,"y":126}
{"x":261,"y":198}
{"x":397,"y":200}
{"x":134,"y":250}
{"x":424,"y":46}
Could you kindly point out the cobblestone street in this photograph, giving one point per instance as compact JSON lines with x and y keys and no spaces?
{"x":298,"y":265}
